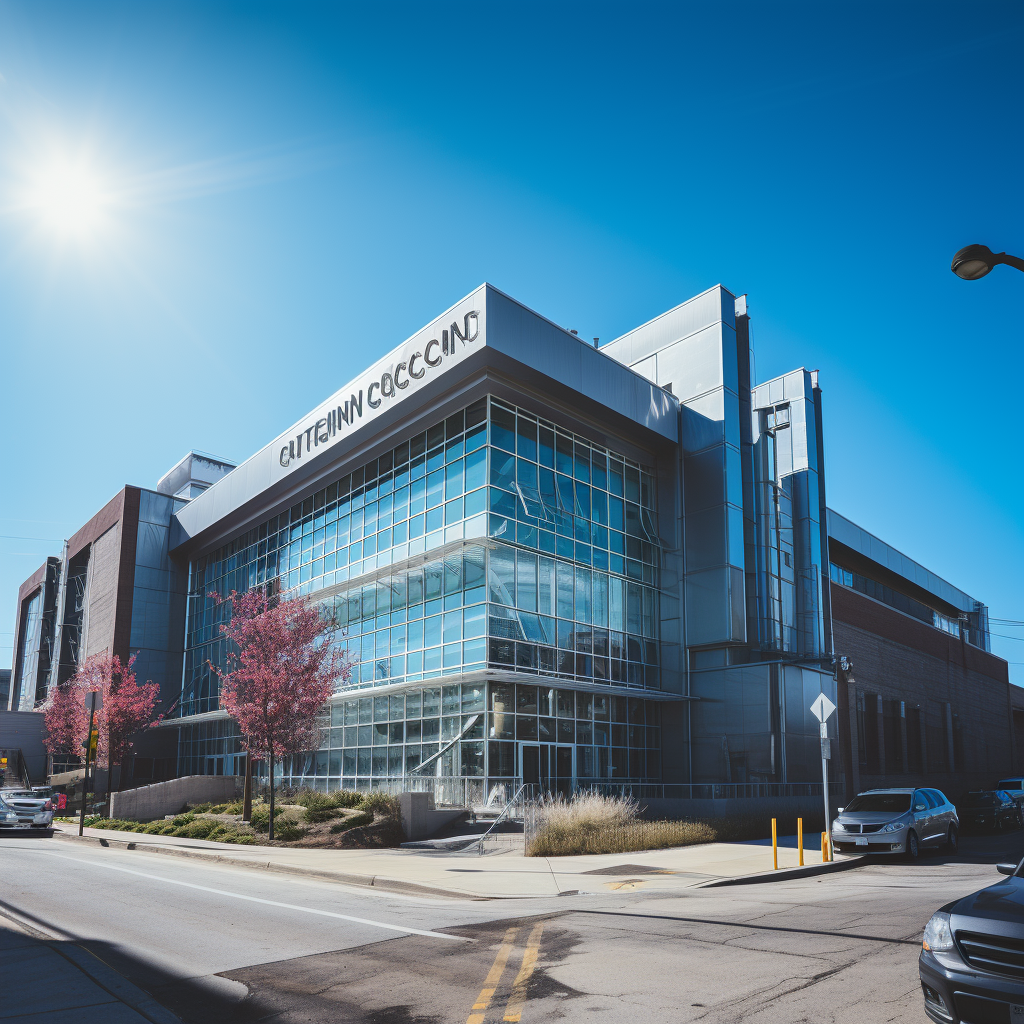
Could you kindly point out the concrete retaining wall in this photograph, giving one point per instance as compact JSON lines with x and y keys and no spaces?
{"x":420,"y":819}
{"x":148,"y":803}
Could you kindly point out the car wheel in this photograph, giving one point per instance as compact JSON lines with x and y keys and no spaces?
{"x":913,"y":849}
{"x":953,"y":840}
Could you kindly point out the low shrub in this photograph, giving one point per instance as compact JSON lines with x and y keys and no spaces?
{"x":183,"y":819}
{"x":340,"y":798}
{"x":287,"y":830}
{"x":381,"y":804}
{"x":201,"y":808}
{"x":261,"y":817}
{"x":241,"y":838}
{"x":352,"y":821}
{"x":198,"y":829}
{"x":319,"y":807}
{"x":113,"y":824}
{"x":235,"y":807}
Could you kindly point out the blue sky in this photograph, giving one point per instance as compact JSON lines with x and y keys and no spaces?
{"x":287,"y":191}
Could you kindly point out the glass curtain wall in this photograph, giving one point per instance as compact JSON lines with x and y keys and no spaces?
{"x":516,"y":546}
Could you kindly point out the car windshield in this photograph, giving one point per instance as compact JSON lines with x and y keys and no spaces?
{"x":981,"y":799}
{"x":883,"y":803}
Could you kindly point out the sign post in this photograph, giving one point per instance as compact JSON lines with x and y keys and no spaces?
{"x":822,"y":709}
{"x":93,"y":703}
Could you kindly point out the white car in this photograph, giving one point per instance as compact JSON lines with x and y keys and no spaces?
{"x":21,"y":808}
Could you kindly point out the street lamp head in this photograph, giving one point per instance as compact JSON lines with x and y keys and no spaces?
{"x":973,"y":261}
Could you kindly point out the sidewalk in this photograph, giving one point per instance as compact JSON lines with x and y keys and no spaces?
{"x":494,"y":876}
{"x":59,"y":982}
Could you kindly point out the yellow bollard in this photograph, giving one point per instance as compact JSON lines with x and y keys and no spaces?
{"x":825,"y":851}
{"x":800,"y":839}
{"x":775,"y":846}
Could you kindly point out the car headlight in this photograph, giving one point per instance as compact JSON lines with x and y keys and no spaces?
{"x":838,"y":826}
{"x":10,"y":816}
{"x":937,"y":935}
{"x":895,"y":826}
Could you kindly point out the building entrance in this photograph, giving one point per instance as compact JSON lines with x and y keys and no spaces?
{"x":550,"y":767}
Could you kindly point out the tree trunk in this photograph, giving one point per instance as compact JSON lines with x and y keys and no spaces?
{"x":271,"y":762}
{"x":247,"y":789}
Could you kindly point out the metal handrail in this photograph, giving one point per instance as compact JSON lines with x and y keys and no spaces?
{"x":444,"y":750}
{"x":480,"y":841}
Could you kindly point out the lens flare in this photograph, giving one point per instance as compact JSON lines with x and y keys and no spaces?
{"x":68,"y":198}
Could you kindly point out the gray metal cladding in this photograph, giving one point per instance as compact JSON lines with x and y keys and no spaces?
{"x":543,"y":353}
{"x":867,"y":544}
{"x":712,"y":306}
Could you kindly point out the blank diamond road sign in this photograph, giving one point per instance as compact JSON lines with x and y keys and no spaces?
{"x":822,"y":708}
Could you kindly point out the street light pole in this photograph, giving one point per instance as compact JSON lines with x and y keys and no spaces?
{"x":975,"y":261}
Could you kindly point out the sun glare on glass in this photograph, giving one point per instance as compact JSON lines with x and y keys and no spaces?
{"x":68,"y":199}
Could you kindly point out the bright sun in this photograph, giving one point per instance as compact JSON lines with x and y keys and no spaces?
{"x":68,"y":198}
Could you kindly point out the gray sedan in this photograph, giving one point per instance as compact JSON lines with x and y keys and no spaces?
{"x":896,"y":821}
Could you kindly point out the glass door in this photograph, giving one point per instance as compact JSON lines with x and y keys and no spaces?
{"x":534,"y":766}
{"x":564,"y":769}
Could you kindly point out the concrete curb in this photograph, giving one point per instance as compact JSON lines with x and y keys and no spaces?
{"x":365,"y":881}
{"x":807,"y":871}
{"x":99,"y":971}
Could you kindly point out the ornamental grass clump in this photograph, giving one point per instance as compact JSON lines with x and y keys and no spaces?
{"x":590,"y":823}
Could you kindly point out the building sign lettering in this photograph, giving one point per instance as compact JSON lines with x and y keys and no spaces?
{"x":347,"y":415}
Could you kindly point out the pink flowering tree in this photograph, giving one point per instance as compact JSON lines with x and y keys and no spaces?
{"x":280,"y":674}
{"x":128,"y":707}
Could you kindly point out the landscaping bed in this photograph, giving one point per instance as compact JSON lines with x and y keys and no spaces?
{"x":592,"y":823}
{"x":339,"y":820}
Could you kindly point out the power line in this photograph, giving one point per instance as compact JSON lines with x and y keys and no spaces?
{"x":48,"y":540}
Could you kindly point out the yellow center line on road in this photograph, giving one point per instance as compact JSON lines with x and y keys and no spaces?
{"x":493,"y":977}
{"x":514,"y":1009}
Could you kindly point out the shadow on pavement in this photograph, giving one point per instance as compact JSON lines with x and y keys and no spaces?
{"x":994,"y":848}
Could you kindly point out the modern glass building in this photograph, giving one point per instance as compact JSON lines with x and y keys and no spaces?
{"x":551,"y":562}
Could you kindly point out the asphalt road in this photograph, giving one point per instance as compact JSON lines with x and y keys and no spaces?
{"x":218,"y":945}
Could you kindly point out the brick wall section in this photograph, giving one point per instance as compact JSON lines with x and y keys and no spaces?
{"x":900,"y":658}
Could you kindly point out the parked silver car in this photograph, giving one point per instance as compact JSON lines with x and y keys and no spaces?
{"x":896,"y":821}
{"x":21,"y":808}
